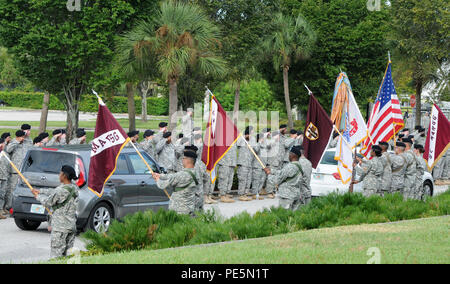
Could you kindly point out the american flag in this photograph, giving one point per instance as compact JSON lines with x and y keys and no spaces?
{"x":386,"y":115}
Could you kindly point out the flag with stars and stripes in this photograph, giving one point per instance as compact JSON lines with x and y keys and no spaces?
{"x":386,"y":119}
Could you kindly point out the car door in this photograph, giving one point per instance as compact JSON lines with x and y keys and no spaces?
{"x":151,"y":197}
{"x":125,"y":185}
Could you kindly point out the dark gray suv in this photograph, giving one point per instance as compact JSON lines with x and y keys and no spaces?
{"x":130,"y":189}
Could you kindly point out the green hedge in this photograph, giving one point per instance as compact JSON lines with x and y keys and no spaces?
{"x":155,"y":106}
{"x":165,"y":229}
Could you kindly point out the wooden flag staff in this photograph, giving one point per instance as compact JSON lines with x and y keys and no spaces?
{"x":22,"y":177}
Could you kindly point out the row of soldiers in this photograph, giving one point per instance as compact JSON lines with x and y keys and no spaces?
{"x":16,"y":148}
{"x":272,"y":148}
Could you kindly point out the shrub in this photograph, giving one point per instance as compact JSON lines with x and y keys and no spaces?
{"x":165,"y":229}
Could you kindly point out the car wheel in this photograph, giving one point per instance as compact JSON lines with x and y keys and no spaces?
{"x":100,"y":218}
{"x":427,"y":188}
{"x":27,"y":225}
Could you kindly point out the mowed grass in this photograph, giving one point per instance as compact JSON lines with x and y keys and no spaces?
{"x":415,"y":241}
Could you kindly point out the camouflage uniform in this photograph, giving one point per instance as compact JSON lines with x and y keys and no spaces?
{"x":205,"y":179}
{"x":371,"y":173}
{"x":420,"y":140}
{"x":17,"y":153}
{"x":244,"y":162}
{"x":166,"y":155}
{"x":290,"y":180}
{"x":76,"y":141}
{"x":306,"y":188}
{"x":420,"y":170}
{"x":275,"y":160}
{"x":258,"y":174}
{"x":4,"y":176}
{"x":156,"y":139}
{"x":225,"y":171}
{"x":398,"y":166}
{"x":386,"y":178}
{"x":53,"y":142}
{"x":182,"y":200}
{"x":149,"y":147}
{"x":188,"y":126}
{"x":288,"y":142}
{"x":179,"y":151}
{"x":64,"y":202}
{"x":410,"y":175}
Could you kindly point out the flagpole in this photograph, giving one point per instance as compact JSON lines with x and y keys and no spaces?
{"x":22,"y":176}
{"x":340,"y":134}
{"x":148,"y":166}
{"x":253,"y":151}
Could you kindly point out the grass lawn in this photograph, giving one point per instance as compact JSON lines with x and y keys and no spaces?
{"x":416,"y":241}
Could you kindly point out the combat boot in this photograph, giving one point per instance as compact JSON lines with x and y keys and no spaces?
{"x":207,"y":200}
{"x":212,"y":201}
{"x":226,"y":199}
{"x":244,"y":198}
{"x":271,"y":196}
{"x":263,"y":192}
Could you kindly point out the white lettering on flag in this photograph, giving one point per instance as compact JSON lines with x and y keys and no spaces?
{"x":109,"y":139}
{"x":214,"y":110}
{"x":433,"y":135}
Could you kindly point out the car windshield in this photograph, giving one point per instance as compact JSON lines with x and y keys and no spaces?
{"x":328,"y":159}
{"x":47,"y":162}
{"x":139,"y":166}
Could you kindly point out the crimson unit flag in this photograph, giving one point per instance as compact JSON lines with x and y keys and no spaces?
{"x":438,"y":139}
{"x":220,"y":135}
{"x":319,"y":128}
{"x":109,"y":140}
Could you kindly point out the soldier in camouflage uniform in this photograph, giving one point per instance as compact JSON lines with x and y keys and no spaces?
{"x":205,"y":179}
{"x":258,"y":174}
{"x":160,"y":133}
{"x":188,"y":124}
{"x":245,"y":161}
{"x":185,"y":183}
{"x":80,"y":139}
{"x":225,"y":173}
{"x":4,"y":175}
{"x":288,"y":143}
{"x":179,"y":150}
{"x":64,"y":202}
{"x":386,"y":178}
{"x":275,"y":160}
{"x":57,"y":138}
{"x":290,"y":180}
{"x":148,"y":144}
{"x":166,"y":153}
{"x":371,"y":172}
{"x":16,"y":150}
{"x":398,"y":166}
{"x":410,"y":173}
{"x":27,"y":142}
{"x":421,"y":166}
{"x":307,"y":170}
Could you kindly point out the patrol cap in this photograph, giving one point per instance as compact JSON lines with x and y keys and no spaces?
{"x":20,"y":133}
{"x":6,"y":135}
{"x":133,"y":133}
{"x":400,"y":144}
{"x":293,"y":131}
{"x":56,"y":131}
{"x":162,"y":124}
{"x":69,"y":172}
{"x":407,"y":140}
{"x":297,"y":150}
{"x":167,"y":134}
{"x":37,"y":140}
{"x":190,"y":154}
{"x":148,"y":133}
{"x":80,"y":132}
{"x":418,"y":146}
{"x":25,"y":127}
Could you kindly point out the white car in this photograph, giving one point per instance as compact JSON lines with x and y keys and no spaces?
{"x":325,"y":179}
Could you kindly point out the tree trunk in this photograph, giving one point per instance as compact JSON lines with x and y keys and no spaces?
{"x":237,"y":93}
{"x":286,"y":96}
{"x":173,"y":103}
{"x":44,"y":112}
{"x":73,"y":97}
{"x":144,"y":88}
{"x":419,"y":86}
{"x":131,"y":107}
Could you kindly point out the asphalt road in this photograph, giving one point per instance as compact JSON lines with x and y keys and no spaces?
{"x":17,"y":246}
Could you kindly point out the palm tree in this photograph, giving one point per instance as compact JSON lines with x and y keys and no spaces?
{"x":292,"y":39}
{"x":180,"y":36}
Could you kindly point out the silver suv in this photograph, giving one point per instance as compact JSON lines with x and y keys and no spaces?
{"x":130,"y":189}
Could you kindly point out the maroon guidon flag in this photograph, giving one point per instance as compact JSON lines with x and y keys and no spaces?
{"x":221,"y":134}
{"x":438,"y":139}
{"x":109,"y":140}
{"x":319,"y":128}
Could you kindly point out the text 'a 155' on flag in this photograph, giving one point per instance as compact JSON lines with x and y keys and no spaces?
{"x":220,"y":135}
{"x":438,"y":139}
{"x":109,"y":140}
{"x":350,"y":122}
{"x":318,"y":131}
